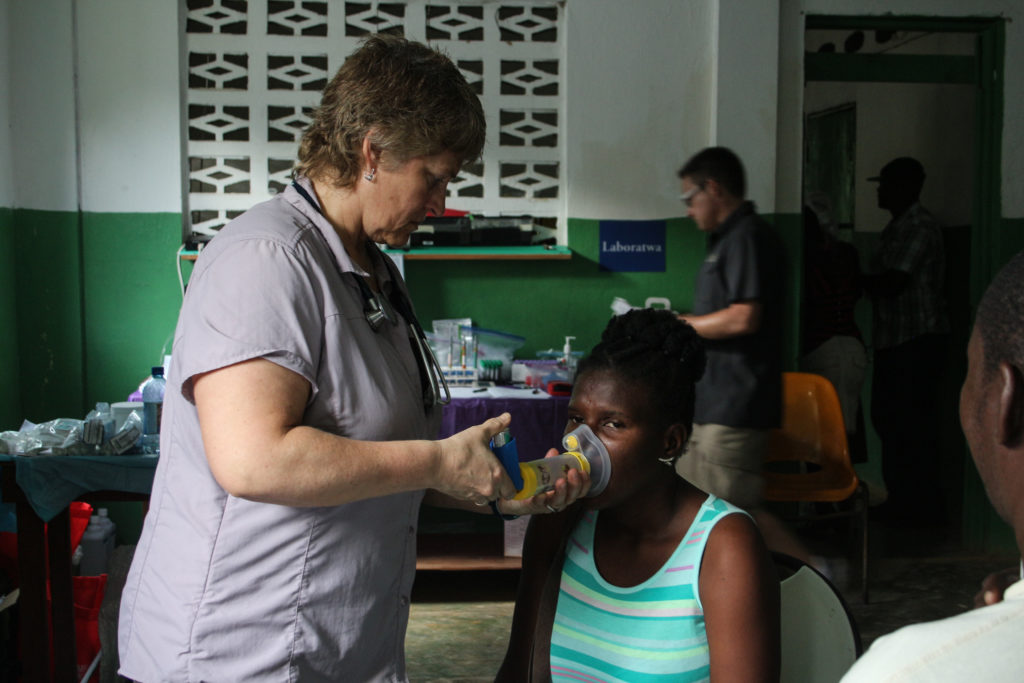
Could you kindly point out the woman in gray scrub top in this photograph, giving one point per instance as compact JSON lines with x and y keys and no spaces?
{"x":280,"y":539}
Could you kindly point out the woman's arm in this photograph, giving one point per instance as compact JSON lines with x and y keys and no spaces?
{"x":250,"y":416}
{"x":540,"y":546}
{"x":739,"y":589}
{"x":567,"y":490}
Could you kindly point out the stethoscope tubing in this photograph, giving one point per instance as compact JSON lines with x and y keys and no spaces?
{"x":376,"y":313}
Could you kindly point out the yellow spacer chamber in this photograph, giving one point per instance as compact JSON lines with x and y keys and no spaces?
{"x":540,"y":475}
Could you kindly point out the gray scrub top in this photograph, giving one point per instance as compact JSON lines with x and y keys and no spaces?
{"x":226,"y":589}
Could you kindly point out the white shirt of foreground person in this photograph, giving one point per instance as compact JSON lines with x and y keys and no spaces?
{"x":226,"y":589}
{"x":985,"y":645}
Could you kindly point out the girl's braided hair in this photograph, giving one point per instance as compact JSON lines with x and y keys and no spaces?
{"x":657,"y":351}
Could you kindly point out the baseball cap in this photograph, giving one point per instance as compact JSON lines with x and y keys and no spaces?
{"x":901,"y":169}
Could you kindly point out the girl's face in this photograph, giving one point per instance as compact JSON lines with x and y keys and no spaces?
{"x":620,"y":414}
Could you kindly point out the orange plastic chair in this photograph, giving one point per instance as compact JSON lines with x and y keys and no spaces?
{"x":808,"y":460}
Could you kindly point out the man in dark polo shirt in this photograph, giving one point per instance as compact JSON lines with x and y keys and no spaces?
{"x":737,"y":310}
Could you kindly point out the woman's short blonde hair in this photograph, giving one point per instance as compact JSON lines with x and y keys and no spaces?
{"x":412,"y":101}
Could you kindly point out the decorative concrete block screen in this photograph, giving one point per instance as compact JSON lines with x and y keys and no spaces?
{"x":256,"y":69}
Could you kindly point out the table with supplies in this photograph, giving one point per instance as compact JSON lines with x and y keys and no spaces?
{"x":41,"y":488}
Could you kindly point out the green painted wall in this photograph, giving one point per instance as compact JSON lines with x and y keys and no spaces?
{"x":10,"y":377}
{"x":544,"y":301}
{"x":49,"y":313}
{"x":92,"y":302}
{"x":132,"y":298}
{"x":97,"y":297}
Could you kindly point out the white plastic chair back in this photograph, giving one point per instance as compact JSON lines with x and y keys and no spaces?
{"x":820,"y":640}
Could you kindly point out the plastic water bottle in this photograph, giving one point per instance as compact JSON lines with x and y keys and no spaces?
{"x":97,"y":544}
{"x":152,"y":409}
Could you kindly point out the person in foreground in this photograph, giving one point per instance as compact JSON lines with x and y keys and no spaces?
{"x":280,"y":542}
{"x":983,"y":644}
{"x":653,"y":579}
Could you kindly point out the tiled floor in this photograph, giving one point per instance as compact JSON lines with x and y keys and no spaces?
{"x":458,"y":628}
{"x":459,"y":624}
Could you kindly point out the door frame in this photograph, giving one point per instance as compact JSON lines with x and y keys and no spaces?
{"x":984,"y":69}
{"x":990,"y":242}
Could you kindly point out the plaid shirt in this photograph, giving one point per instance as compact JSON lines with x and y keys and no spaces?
{"x":912,"y":244}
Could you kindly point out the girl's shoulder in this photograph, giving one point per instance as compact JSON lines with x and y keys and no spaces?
{"x":733,"y":539}
{"x":714,"y":507}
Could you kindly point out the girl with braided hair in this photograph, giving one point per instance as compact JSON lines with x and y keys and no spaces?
{"x":653,"y":579}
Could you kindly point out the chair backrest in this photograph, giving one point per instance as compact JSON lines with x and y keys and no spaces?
{"x":808,"y":457}
{"x":820,"y":639}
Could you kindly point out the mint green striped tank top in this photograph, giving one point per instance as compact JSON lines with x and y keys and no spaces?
{"x":650,"y":632}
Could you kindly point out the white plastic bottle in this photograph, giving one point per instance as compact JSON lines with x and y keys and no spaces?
{"x":568,"y":359}
{"x":97,"y":544}
{"x":152,"y":409}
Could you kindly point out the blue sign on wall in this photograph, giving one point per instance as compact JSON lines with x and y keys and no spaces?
{"x":632,"y":246}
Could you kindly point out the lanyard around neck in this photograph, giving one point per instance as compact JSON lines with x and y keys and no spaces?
{"x":375,"y":313}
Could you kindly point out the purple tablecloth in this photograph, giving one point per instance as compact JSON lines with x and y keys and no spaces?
{"x":537,"y":424}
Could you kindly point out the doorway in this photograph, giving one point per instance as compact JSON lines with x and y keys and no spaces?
{"x":881,"y":87}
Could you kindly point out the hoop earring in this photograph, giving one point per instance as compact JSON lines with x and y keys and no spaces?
{"x":369,"y":175}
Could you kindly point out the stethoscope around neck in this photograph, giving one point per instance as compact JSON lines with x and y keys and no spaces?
{"x":378,"y":310}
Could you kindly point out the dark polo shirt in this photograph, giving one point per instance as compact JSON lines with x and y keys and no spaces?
{"x":742,"y":386}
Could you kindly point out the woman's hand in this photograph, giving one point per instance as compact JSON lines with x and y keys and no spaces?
{"x":568,"y":490}
{"x":469,"y":469}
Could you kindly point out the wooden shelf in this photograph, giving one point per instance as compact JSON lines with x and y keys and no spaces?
{"x":529,"y":253}
{"x":538,"y":253}
{"x":463,"y":552}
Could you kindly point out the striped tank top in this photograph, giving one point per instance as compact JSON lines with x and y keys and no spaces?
{"x":650,"y":632}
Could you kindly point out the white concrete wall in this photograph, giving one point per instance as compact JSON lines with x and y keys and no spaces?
{"x":649,"y":83}
{"x":130,"y":107}
{"x":119,"y":128}
{"x":746,"y":53}
{"x":42,"y":105}
{"x":638,"y":103}
{"x":6,"y":181}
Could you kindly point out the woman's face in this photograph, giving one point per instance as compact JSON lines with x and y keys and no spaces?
{"x":620,"y":414}
{"x":400,"y":197}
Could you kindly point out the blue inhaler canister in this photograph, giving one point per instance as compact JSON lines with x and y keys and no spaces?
{"x":504,"y":447}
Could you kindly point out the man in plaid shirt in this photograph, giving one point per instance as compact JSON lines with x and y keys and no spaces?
{"x":911,"y":327}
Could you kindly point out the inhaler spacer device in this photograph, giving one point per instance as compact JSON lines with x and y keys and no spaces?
{"x":583,"y":451}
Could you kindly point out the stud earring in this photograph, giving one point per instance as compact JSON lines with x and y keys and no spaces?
{"x":369,"y":175}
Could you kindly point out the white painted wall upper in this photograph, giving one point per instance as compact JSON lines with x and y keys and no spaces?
{"x":6,"y":181}
{"x":652,"y":83}
{"x":745,"y":119}
{"x":129,"y":103}
{"x":638,"y":103}
{"x":116,"y":146}
{"x":648,"y":84}
{"x":42,"y":107}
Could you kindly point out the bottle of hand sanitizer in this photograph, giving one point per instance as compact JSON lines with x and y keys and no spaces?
{"x":569,"y":360}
